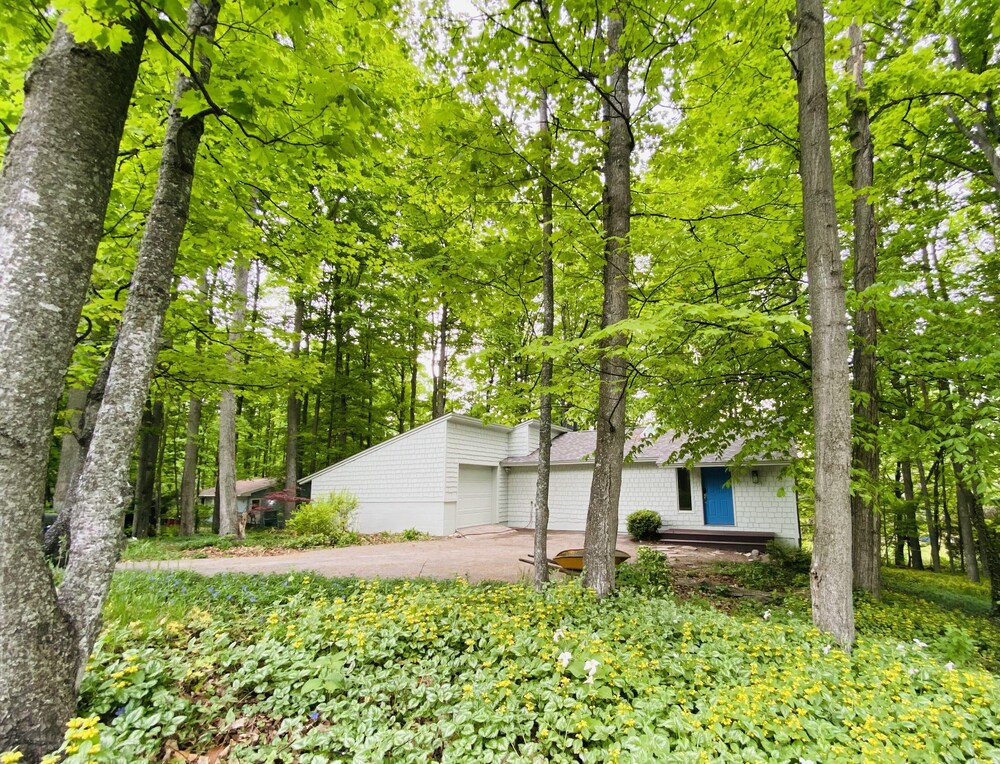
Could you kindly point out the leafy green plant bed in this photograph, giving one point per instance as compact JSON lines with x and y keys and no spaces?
{"x":299,"y":668}
{"x":257,"y":543}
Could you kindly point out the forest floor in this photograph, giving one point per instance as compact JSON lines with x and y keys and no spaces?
{"x":727,"y":667}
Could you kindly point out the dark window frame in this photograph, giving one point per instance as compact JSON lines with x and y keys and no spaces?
{"x":685,"y":503}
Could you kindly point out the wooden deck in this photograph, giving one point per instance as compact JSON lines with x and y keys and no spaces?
{"x":717,"y":538}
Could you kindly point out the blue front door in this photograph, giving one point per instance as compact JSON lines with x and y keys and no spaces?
{"x":718,"y":495}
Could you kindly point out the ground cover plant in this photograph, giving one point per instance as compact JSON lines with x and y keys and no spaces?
{"x":300,"y":668}
{"x":257,"y":543}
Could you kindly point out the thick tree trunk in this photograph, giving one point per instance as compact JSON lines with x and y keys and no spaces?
{"x":70,"y":451}
{"x":149,"y":450}
{"x":292,"y":419}
{"x":545,"y":376}
{"x":865,"y":454}
{"x":605,"y":488}
{"x":102,"y":492}
{"x":54,"y":190}
{"x":965,"y":499}
{"x":189,"y":476}
{"x":831,"y":575}
{"x":225,"y":489}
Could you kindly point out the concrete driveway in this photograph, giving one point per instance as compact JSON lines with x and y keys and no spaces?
{"x":485,"y":553}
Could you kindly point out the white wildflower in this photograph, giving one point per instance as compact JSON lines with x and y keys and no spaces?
{"x":901,"y":647}
{"x":558,"y":635}
{"x":827,"y":649}
{"x":950,"y":666}
{"x":919,"y":644}
{"x":591,"y":667}
{"x":767,"y":614}
{"x":565,"y":658}
{"x":589,"y":679}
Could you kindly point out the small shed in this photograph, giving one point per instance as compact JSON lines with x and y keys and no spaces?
{"x":249,"y":493}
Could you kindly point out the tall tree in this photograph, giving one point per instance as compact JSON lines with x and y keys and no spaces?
{"x":545,"y":375}
{"x":225,"y":487}
{"x":54,"y":190}
{"x":865,"y":450}
{"x":292,"y":419}
{"x":602,"y":511}
{"x":831,"y":577}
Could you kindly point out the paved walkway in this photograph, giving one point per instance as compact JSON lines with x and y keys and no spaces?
{"x":485,"y":553}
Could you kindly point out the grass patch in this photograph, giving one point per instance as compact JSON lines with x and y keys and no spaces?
{"x":300,"y":668}
{"x":257,"y":543}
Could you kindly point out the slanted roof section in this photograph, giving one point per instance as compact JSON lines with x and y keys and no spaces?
{"x":243,"y":487}
{"x":578,"y":447}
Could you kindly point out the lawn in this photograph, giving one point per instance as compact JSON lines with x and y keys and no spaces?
{"x":268,"y":541}
{"x":298,"y":668}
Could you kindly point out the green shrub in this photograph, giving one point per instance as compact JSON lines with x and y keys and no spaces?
{"x":330,"y":516}
{"x":412,"y":534}
{"x":643,"y":524}
{"x":649,"y":573}
{"x":789,"y":556}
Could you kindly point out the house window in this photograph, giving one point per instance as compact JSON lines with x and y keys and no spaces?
{"x":684,"y":490}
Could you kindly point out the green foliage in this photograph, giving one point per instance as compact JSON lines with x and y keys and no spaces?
{"x":792,"y":558}
{"x":649,"y":574}
{"x":643,"y":524}
{"x":412,"y":534}
{"x":330,"y":516}
{"x":407,"y":671}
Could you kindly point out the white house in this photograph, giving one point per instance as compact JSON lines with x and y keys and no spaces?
{"x":456,"y":472}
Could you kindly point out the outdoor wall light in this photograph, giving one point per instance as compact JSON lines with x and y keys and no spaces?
{"x":754,"y":476}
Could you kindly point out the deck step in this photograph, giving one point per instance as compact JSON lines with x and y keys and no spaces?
{"x":717,"y":538}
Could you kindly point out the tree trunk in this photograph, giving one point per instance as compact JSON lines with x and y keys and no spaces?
{"x":910,"y":518}
{"x":292,"y":420}
{"x":439,"y":397}
{"x":225,"y":489}
{"x":70,"y":451}
{"x":605,"y":488}
{"x":149,"y":450}
{"x":865,"y":454}
{"x":964,"y":506}
{"x":932,"y":528}
{"x":189,"y":476}
{"x":100,"y":495}
{"x":831,"y":574}
{"x":545,"y":376}
{"x":54,"y":190}
{"x":47,"y":245}
{"x":57,"y":535}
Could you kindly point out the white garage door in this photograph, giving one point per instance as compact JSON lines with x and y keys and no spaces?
{"x":475,"y":495}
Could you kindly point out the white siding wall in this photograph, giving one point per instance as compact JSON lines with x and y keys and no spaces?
{"x":759,"y":508}
{"x":473,"y":443}
{"x":646,"y":486}
{"x":399,"y":483}
{"x":523,"y":439}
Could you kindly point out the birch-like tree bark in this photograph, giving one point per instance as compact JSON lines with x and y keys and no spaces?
{"x":225,"y":488}
{"x":54,"y":190}
{"x":831,"y":575}
{"x":605,"y":488}
{"x":865,"y":454}
{"x":545,"y":376}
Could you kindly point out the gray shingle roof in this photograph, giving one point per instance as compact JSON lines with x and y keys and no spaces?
{"x":576,"y":447}
{"x":243,"y":487}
